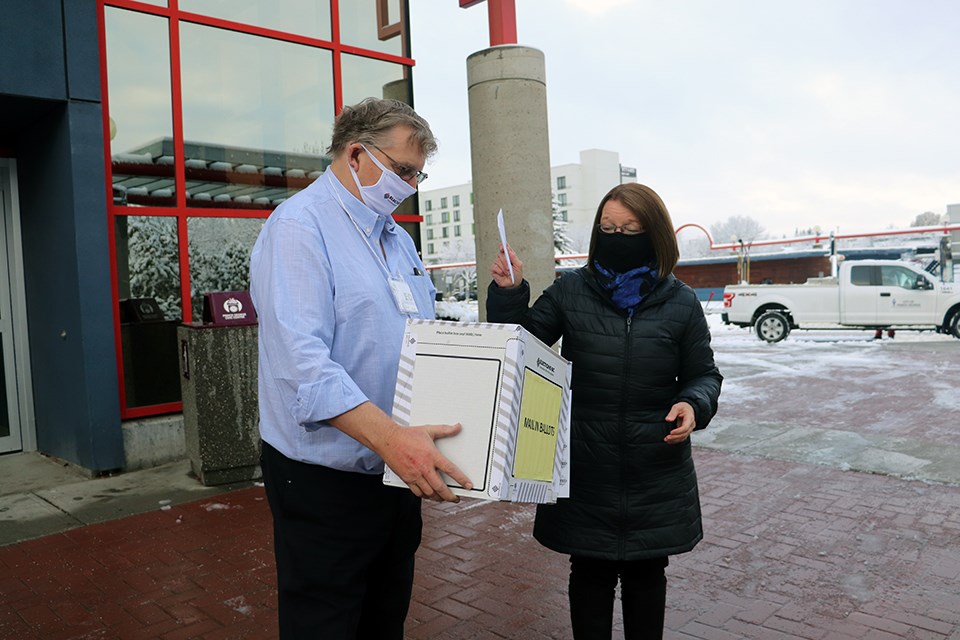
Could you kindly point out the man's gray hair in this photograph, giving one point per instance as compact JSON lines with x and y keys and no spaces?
{"x":368,"y":121}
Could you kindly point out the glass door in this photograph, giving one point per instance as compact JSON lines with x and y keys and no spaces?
{"x":11,"y":433}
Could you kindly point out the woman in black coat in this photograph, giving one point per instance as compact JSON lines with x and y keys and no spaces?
{"x":644,"y":379}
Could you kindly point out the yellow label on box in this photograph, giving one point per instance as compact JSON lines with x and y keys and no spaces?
{"x":537,"y":431}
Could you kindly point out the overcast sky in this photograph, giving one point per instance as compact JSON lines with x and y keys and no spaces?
{"x":838,"y":113}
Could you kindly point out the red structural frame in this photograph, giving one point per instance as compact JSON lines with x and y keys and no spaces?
{"x":180,"y":210}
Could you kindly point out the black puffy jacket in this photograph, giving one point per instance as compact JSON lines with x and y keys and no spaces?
{"x":632,"y":496}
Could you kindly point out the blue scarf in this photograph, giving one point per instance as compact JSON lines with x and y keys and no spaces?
{"x":627,"y":290}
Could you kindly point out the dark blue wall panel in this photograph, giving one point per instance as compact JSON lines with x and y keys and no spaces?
{"x":66,"y":269}
{"x":83,"y":58}
{"x":31,"y":48}
{"x":53,"y":93}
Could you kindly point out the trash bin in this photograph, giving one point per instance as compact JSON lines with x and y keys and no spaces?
{"x":218,"y":380}
{"x":149,"y":348}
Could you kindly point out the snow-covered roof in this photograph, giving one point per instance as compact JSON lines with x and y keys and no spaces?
{"x":216,"y":175}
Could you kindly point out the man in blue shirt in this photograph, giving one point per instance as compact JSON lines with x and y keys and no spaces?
{"x":333,"y":279}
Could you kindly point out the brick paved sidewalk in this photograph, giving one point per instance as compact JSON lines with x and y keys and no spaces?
{"x":792,"y":550}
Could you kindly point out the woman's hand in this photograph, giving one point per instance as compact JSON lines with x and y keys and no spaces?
{"x":500,"y":272}
{"x":683,"y":415}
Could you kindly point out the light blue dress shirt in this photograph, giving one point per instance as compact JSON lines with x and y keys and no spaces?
{"x":330,"y":328}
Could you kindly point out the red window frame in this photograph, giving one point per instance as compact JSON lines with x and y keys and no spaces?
{"x":180,"y":210}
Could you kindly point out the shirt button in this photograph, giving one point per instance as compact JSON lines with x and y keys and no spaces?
{"x":369,"y":229}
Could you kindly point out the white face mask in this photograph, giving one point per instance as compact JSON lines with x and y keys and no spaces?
{"x":384,"y":196}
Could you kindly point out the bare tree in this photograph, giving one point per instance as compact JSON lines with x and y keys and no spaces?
{"x":736,"y":229}
{"x":928,"y":219}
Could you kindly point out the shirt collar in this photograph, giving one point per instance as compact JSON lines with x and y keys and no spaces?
{"x":370,"y":223}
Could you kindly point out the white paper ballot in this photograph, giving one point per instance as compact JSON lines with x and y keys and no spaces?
{"x":503,"y":241}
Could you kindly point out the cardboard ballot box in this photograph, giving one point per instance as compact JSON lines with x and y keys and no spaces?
{"x":511,"y":394}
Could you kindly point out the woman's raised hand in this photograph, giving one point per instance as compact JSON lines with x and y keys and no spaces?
{"x":500,"y":272}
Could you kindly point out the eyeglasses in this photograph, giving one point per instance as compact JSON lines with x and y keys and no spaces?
{"x":406,"y":173}
{"x":627,"y":229}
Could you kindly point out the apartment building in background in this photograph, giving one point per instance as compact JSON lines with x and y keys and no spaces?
{"x":447,"y":229}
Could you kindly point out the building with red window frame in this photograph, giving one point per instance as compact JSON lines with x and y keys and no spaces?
{"x":142,"y":144}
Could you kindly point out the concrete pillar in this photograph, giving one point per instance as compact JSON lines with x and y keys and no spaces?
{"x":510,"y":154}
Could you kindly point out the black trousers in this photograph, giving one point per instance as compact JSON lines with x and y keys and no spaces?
{"x":643,"y":596}
{"x":344,"y":546}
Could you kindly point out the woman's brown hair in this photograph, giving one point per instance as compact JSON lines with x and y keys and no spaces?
{"x":649,"y":210}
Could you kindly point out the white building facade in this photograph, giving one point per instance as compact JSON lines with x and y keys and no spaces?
{"x":447,"y":230}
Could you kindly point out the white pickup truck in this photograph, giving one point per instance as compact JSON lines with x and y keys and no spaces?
{"x":867,"y":294}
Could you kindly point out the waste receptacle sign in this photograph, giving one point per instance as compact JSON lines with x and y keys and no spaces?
{"x":537,"y":432}
{"x":228,"y":307}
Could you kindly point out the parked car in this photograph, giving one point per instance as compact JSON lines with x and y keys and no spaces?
{"x":866,"y":294}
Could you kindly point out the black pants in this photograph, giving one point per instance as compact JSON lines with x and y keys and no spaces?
{"x":344,"y":546}
{"x":643,"y":595}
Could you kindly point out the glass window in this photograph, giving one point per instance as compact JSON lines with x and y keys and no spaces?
{"x":893,"y":276}
{"x":445,"y":217}
{"x":456,"y":201}
{"x":219,"y":256}
{"x":446,"y":232}
{"x":562,"y":199}
{"x":373,"y":24}
{"x":563,"y":215}
{"x":471,"y":197}
{"x":860,"y":276}
{"x":429,"y":234}
{"x":305,"y":17}
{"x":148,"y":261}
{"x":456,"y":230}
{"x":429,"y":218}
{"x":561,"y":182}
{"x":443,"y":203}
{"x":456,"y":215}
{"x":366,"y":77}
{"x":138,"y":73}
{"x":257,"y":115}
{"x":428,"y":206}
{"x":430,"y":248}
{"x":149,"y":298}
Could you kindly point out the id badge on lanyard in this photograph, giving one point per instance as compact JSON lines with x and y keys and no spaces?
{"x":402,"y":295}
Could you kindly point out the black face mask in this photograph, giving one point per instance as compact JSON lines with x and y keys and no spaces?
{"x":620,"y":253}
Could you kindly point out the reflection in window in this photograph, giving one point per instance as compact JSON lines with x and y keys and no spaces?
{"x":138,"y":74}
{"x":366,"y":77}
{"x":305,"y":17}
{"x":147,"y":261}
{"x":257,"y":116}
{"x":373,"y":24}
{"x":149,"y":300}
{"x":220,"y":256}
